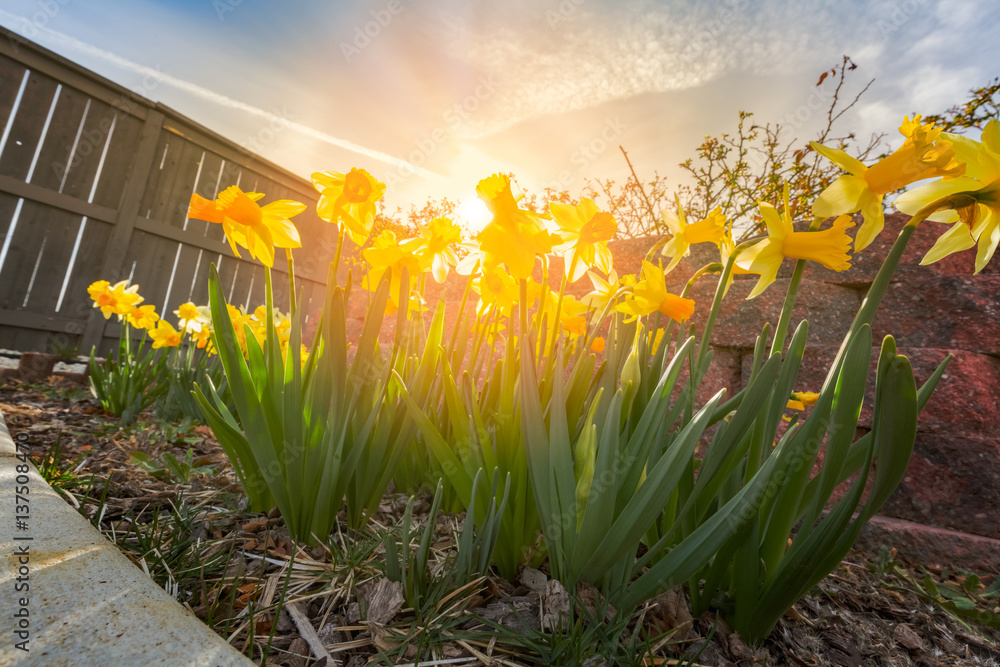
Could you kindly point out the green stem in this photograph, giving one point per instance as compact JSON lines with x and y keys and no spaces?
{"x":720,"y":291}
{"x":291,"y":282}
{"x":336,"y":256}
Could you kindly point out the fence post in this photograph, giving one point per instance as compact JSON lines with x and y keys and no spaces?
{"x":121,"y":234}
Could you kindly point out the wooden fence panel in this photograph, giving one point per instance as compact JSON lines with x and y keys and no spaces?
{"x":107,"y":198}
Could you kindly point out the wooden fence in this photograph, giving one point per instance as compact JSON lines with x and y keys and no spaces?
{"x":95,"y":182}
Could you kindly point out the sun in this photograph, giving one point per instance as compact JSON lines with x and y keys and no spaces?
{"x":472,"y":214}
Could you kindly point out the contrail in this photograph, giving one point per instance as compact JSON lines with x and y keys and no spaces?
{"x":212,"y":96}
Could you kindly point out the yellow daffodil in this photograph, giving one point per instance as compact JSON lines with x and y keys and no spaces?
{"x":388,"y":254}
{"x":515,"y":236}
{"x":710,"y":230}
{"x":165,"y":335}
{"x":584,"y":231}
{"x":192,"y":318}
{"x":922,"y":155}
{"x":650,"y":295}
{"x":349,"y":197}
{"x":603,"y":292}
{"x":726,"y":248}
{"x":203,"y":339}
{"x":496,"y":289}
{"x":259,"y":229}
{"x":143,"y":317}
{"x":974,"y":200}
{"x":436,"y":249}
{"x":829,"y":247}
{"x":118,"y":299}
{"x":800,"y":400}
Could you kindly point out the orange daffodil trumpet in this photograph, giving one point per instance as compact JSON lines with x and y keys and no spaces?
{"x":584,"y":231}
{"x":259,"y":229}
{"x":651,"y":294}
{"x":165,"y":335}
{"x":974,"y":200}
{"x":710,"y":230}
{"x":350,"y":198}
{"x":923,"y":155}
{"x":829,"y":247}
{"x":515,"y":236}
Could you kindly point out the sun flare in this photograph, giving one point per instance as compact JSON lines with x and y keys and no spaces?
{"x":472,"y":214}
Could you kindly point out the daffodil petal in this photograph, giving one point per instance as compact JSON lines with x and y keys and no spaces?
{"x":842,"y":196}
{"x":840,"y":158}
{"x":956,"y":239}
{"x":874,"y":220}
{"x":989,"y":238}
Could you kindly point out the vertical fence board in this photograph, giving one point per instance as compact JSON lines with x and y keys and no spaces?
{"x":11,"y":74}
{"x":26,"y":129}
{"x":122,"y":156}
{"x":59,"y":140}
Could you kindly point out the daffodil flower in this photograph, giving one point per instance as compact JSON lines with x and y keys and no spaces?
{"x":974,"y":198}
{"x":584,"y":231}
{"x":388,"y":254}
{"x":922,"y":155}
{"x":257,"y":228}
{"x":165,"y":335}
{"x":515,"y":237}
{"x":726,"y":248}
{"x":192,"y":318}
{"x":496,"y":289}
{"x":710,"y":230}
{"x":602,"y":294}
{"x":435,"y":250}
{"x":829,"y":247}
{"x":800,"y":400}
{"x":118,"y":299}
{"x":349,"y":197}
{"x":598,"y":345}
{"x":650,"y":295}
{"x":143,"y":317}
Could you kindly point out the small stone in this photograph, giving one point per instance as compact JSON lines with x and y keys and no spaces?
{"x":533,"y":579}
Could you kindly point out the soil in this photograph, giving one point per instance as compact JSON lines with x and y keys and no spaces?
{"x":229,"y":567}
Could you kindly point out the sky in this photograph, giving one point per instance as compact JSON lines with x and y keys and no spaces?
{"x":432,"y":96}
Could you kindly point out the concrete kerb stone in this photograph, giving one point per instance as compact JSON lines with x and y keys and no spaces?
{"x":85,"y":603}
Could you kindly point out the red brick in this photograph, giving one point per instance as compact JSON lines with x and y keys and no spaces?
{"x":950,"y":312}
{"x":952,"y":481}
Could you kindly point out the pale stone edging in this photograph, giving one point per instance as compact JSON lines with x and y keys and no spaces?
{"x":87,"y":604}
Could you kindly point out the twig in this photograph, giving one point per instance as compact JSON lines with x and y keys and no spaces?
{"x":638,"y":183}
{"x":308,"y":632}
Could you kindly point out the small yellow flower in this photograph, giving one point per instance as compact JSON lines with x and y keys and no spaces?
{"x":650,"y":295}
{"x":496,"y":289}
{"x":584,"y":231}
{"x":922,"y":155}
{"x":114,"y":300}
{"x":165,"y":335}
{"x":602,"y":294}
{"x":829,"y":247}
{"x":259,"y":229}
{"x":388,"y":254}
{"x":515,"y":237}
{"x":143,"y":317}
{"x":598,"y":345}
{"x":800,"y":400}
{"x":192,"y":318}
{"x":435,"y":250}
{"x":203,"y":340}
{"x":710,"y":230}
{"x":350,"y":197}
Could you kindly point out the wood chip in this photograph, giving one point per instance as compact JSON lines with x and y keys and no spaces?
{"x":309,"y":633}
{"x":380,"y":600}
